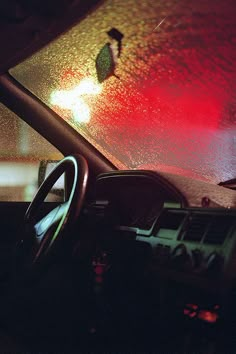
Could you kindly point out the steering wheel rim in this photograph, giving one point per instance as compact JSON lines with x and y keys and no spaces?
{"x":48,"y":231}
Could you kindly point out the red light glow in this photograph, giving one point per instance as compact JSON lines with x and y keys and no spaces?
{"x":186,"y":312}
{"x":99,"y":269}
{"x":190,"y":313}
{"x":99,"y":279}
{"x":192,"y":306}
{"x":208,"y":316}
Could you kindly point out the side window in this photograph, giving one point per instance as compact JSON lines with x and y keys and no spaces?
{"x":21,"y":151}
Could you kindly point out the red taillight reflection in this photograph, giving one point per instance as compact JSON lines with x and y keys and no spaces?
{"x":192,"y":306}
{"x":208,"y":316}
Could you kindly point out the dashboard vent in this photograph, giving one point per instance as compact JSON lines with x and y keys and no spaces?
{"x":197,"y":226}
{"x":171,"y":220}
{"x":219,"y":229}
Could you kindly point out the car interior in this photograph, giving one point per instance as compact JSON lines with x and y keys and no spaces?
{"x":99,"y":255}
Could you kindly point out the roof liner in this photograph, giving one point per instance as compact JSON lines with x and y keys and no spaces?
{"x":28,"y":25}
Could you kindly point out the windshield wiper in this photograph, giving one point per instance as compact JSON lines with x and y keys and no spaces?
{"x":230,"y":183}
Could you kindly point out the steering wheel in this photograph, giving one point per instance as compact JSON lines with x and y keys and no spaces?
{"x":47,"y":232}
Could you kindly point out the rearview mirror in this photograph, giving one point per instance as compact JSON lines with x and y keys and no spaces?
{"x":105,"y":64}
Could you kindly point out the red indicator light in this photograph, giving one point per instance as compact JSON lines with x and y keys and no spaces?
{"x":99,"y":280}
{"x":208,"y":316}
{"x":186,"y":312}
{"x":99,"y":269}
{"x":192,"y":306}
{"x":192,"y":314}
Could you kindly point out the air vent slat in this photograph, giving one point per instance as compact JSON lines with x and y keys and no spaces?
{"x":197,"y":226}
{"x":219,"y":229}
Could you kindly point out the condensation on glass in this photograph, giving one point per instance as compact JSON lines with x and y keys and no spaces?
{"x":171,"y":105}
{"x":21,"y":150}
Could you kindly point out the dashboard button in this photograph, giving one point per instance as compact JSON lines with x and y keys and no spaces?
{"x":162,"y":254}
{"x":180,"y":258}
{"x":214,"y":264}
{"x":197,"y":259}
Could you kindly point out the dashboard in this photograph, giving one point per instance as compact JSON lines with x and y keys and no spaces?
{"x":136,"y":199}
{"x":141,"y":206}
{"x":147,"y":225}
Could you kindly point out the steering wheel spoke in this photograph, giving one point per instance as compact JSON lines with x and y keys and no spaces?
{"x":43,"y":225}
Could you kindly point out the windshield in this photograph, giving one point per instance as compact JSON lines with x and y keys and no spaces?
{"x":169,"y":101}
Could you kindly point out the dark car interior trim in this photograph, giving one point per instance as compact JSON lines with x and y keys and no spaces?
{"x":36,"y":24}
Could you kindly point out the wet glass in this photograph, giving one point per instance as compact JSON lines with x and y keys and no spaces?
{"x":21,"y":150}
{"x":169,"y":105}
